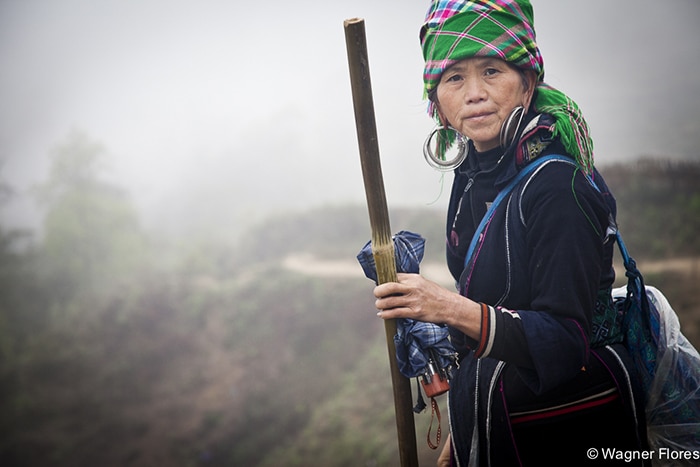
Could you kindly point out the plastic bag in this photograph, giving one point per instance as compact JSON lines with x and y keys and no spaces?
{"x":673,"y":403}
{"x":672,"y":383}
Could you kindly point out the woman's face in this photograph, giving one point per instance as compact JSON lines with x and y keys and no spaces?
{"x":477,"y":94}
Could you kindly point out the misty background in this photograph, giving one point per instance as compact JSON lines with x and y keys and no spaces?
{"x":215,"y":113}
{"x":181,"y":202}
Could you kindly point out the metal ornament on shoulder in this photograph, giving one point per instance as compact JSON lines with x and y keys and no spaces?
{"x":437,"y":149}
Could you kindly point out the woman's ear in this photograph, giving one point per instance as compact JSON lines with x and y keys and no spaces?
{"x":531,"y":81}
{"x":442,"y":118}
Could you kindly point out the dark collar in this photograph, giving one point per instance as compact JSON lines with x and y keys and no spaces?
{"x":535,"y":139}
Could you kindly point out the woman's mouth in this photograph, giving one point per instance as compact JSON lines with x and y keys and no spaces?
{"x":478,"y":116}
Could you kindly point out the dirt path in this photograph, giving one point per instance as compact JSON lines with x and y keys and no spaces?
{"x":306,"y":263}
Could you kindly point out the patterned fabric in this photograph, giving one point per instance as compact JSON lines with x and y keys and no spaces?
{"x":408,"y":253}
{"x":459,"y":29}
{"x":570,"y":126}
{"x":534,"y":139}
{"x":416,"y":342}
{"x":606,"y":327}
{"x":455,"y":30}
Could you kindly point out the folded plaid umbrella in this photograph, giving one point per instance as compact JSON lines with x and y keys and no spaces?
{"x":418,"y":344}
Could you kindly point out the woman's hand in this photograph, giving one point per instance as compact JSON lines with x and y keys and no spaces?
{"x":414,"y":297}
{"x":417,"y":298}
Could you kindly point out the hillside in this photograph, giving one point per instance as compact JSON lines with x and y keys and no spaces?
{"x":265,"y":352}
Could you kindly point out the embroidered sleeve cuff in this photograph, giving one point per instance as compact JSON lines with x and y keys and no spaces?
{"x":487,"y":331}
{"x":502,"y":336}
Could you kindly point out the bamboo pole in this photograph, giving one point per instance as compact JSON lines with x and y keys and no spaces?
{"x":382,"y":243}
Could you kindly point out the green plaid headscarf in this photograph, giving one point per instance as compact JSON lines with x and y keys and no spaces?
{"x":459,"y":29}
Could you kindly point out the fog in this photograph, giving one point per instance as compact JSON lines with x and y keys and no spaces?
{"x":153,"y":330}
{"x":217,"y":112}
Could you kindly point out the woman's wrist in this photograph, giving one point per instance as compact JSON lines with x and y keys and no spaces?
{"x":466,"y":316}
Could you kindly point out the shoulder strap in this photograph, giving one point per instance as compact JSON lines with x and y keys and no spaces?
{"x":524,"y":172}
{"x":629,"y":263}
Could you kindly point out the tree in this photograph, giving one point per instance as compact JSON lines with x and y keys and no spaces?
{"x":92,"y":238}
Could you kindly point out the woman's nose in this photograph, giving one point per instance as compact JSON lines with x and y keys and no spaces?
{"x":474,"y":90}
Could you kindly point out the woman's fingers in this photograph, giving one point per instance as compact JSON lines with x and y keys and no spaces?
{"x":399,"y":299}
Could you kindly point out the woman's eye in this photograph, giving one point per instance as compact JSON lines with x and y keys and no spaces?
{"x":490,"y":71}
{"x":453,"y":78}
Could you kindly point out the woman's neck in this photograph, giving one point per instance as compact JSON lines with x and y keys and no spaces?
{"x":488,"y":160}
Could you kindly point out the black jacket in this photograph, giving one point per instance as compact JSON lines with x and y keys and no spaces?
{"x":544,"y":258}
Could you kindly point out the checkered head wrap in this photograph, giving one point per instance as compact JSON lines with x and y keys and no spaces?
{"x":459,"y":29}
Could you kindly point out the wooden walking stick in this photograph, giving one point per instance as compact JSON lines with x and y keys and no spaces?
{"x":382,"y":242}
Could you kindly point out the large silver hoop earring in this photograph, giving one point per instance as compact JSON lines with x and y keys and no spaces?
{"x":438,"y":161}
{"x":509,"y":128}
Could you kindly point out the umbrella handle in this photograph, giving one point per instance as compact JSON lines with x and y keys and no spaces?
{"x":434,"y":383}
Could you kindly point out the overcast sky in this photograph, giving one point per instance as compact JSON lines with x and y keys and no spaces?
{"x":210,"y":109}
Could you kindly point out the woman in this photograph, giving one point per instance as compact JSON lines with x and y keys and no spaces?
{"x":541,"y":367}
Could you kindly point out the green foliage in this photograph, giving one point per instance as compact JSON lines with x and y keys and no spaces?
{"x":92,"y":236}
